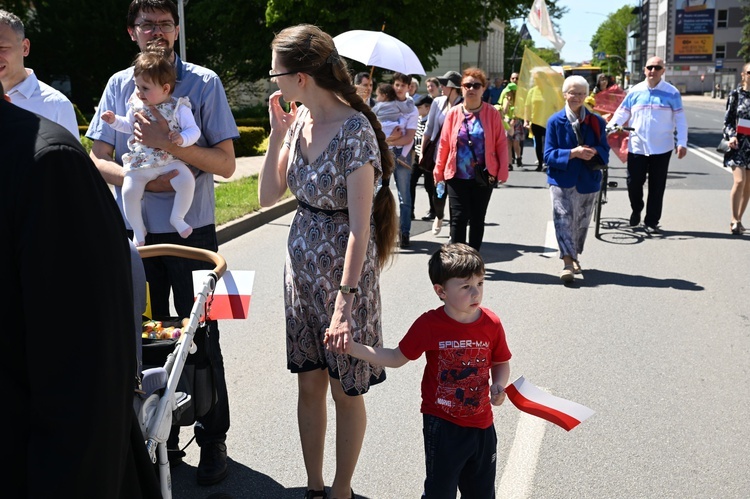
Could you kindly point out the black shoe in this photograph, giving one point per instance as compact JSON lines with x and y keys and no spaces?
{"x":175,"y":457}
{"x":413,"y":217}
{"x":510,"y":167}
{"x":652,"y":229}
{"x":312,"y":494}
{"x":635,"y":219}
{"x":429,"y":217}
{"x":518,"y":162}
{"x":212,"y":467}
{"x":404,"y":242}
{"x":538,"y":168}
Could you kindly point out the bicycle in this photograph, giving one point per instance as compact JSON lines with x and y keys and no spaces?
{"x":602,"y":197}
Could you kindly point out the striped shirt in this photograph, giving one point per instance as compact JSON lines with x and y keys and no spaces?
{"x":655,"y":113}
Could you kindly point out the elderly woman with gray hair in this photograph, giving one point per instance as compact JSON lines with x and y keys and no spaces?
{"x":575,"y":150}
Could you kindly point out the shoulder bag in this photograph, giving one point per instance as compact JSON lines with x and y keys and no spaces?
{"x":427,"y":162}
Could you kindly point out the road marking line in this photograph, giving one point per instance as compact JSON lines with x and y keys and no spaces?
{"x":712,"y":157}
{"x":519,"y":471}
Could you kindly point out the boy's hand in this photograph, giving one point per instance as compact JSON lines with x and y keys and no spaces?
{"x":175,"y":137}
{"x":108,"y":117}
{"x":497,"y":394}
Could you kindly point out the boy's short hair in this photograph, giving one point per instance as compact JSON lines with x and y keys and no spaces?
{"x":454,"y":260}
{"x":403,"y":78}
{"x":154,"y":65}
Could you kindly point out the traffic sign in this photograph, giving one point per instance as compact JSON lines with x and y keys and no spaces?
{"x":719,"y":63}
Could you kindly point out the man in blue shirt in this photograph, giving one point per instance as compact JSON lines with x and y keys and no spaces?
{"x":654,"y":109}
{"x":157,"y":22}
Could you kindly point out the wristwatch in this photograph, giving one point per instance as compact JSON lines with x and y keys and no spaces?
{"x":348,"y":289}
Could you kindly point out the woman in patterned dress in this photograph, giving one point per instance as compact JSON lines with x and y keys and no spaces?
{"x":738,"y":159}
{"x":331,"y":153}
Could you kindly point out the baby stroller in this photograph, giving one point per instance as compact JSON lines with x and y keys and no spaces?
{"x":160,"y":402}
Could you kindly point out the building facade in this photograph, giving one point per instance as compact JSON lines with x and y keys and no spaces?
{"x":698,"y":39}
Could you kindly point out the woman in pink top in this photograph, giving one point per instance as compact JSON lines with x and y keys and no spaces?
{"x":472,"y":137}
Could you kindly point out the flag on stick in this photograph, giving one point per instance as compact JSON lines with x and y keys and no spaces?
{"x":528,"y":398}
{"x":539,"y":18}
{"x":231,"y":298}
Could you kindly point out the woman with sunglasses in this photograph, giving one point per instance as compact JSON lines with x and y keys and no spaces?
{"x":737,"y":121}
{"x":472,"y":137}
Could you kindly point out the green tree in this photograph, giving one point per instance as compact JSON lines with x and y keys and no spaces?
{"x":84,"y":41}
{"x":744,"y":51}
{"x":611,"y":38}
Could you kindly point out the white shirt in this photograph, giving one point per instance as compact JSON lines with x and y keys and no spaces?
{"x":38,"y":97}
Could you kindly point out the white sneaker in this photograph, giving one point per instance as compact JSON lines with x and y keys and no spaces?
{"x":437,"y":225}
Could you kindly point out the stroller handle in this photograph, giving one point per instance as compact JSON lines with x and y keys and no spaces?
{"x":220,"y":265}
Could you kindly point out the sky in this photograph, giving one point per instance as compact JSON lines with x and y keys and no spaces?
{"x":578,"y":26}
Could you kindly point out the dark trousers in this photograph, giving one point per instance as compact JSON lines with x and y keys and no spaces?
{"x":458,"y":458}
{"x":167,"y":273}
{"x":429,"y":186}
{"x":468,"y":203}
{"x":539,"y":133}
{"x":654,"y":167}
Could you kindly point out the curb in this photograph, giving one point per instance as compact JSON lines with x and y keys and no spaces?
{"x":241,"y":226}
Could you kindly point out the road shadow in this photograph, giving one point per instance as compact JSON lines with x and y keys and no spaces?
{"x":241,"y":483}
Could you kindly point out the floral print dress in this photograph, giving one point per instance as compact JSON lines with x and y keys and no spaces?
{"x":738,"y":106}
{"x":317,"y":243}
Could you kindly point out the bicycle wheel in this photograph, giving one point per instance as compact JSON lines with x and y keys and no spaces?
{"x":600,"y":200}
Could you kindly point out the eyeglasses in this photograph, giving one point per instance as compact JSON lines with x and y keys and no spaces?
{"x":147,"y":27}
{"x":654,"y":68}
{"x":579,"y":95}
{"x":271,"y":74}
{"x":469,"y":86}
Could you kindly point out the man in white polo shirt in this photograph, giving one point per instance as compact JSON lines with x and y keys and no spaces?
{"x":22,"y":85}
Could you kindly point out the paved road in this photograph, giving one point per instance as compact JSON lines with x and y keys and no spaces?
{"x":655,"y":338}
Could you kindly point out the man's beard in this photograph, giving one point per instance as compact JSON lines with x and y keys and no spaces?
{"x":165,"y":49}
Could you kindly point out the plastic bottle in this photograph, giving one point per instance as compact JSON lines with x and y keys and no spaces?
{"x":440,"y":189}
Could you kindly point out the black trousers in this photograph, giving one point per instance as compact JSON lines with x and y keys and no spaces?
{"x":539,"y":133}
{"x":655,"y":167}
{"x":468,"y":203}
{"x":429,"y":186}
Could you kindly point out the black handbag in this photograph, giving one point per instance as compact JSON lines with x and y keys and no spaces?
{"x":481,"y":175}
{"x":427,"y":162}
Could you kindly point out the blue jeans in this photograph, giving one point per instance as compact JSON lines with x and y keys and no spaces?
{"x":166,"y":272}
{"x":402,"y":175}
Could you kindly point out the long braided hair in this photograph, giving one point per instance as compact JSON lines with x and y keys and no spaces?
{"x":308,"y":49}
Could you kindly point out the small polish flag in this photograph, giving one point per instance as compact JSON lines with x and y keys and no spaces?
{"x":231,"y":298}
{"x":528,"y":398}
{"x":743,"y":126}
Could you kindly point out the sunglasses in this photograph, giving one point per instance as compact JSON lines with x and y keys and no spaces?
{"x":469,"y":86}
{"x":654,"y":68}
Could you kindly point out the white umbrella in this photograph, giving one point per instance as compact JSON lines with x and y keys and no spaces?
{"x":375,"y":48}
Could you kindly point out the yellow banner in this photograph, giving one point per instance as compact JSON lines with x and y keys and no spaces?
{"x":539,"y":93}
{"x":693,"y":44}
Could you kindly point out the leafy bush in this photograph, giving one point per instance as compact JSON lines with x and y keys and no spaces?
{"x":249,"y":142}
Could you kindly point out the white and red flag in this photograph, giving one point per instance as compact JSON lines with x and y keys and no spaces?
{"x":528,"y":398}
{"x":539,"y":18}
{"x":231,"y":298}
{"x":743,"y":126}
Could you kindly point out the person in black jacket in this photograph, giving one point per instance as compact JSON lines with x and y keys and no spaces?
{"x":71,"y":366}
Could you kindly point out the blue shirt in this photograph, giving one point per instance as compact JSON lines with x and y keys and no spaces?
{"x":212,"y":115}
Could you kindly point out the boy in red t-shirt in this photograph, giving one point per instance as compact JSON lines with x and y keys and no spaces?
{"x":464,"y":345}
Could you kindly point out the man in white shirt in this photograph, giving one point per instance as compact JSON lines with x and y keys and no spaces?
{"x":653,"y":108}
{"x":22,"y":85}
